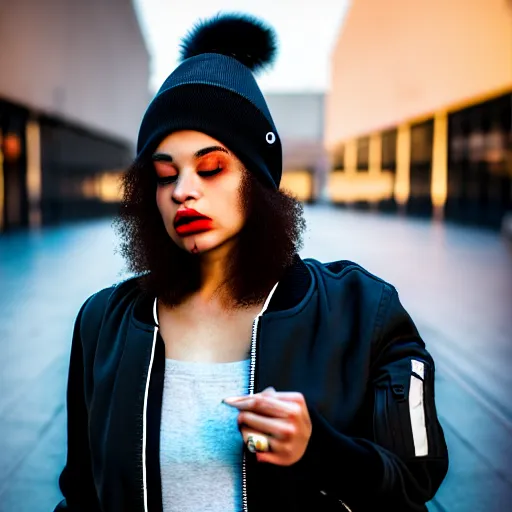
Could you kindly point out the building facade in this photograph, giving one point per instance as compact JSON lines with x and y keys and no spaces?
{"x":73,"y":88}
{"x":419,"y":110}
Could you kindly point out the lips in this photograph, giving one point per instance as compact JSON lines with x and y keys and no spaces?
{"x":190,"y":222}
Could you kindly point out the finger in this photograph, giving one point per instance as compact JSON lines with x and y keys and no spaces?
{"x":276,"y":427}
{"x":286,"y":396}
{"x":267,"y":405}
{"x":232,"y":399}
{"x":274,"y":458}
{"x":290,"y":396}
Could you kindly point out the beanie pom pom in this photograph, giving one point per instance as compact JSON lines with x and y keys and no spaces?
{"x":244,"y":37}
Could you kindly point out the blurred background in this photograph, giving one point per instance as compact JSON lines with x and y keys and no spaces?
{"x":396,"y":122}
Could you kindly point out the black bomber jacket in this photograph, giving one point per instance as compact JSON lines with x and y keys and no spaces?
{"x":333,"y":332}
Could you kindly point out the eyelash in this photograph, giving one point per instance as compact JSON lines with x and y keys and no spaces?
{"x":167,"y":180}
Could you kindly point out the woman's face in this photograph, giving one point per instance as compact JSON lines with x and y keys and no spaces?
{"x":198,"y":191}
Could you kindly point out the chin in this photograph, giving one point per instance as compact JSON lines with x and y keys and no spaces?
{"x":202,"y":242}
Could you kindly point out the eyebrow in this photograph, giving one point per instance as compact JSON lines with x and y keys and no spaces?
{"x":164,"y":157}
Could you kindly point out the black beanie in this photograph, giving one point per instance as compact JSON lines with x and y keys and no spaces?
{"x":214,"y":91}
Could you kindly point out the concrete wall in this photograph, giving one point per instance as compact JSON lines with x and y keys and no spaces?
{"x":297,"y":115}
{"x":84,"y":61}
{"x":398,"y":59}
{"x":299,"y":118}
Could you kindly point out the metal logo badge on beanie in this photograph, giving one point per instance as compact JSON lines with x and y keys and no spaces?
{"x":214,"y":91}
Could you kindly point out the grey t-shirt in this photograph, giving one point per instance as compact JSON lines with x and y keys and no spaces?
{"x":200,"y":444}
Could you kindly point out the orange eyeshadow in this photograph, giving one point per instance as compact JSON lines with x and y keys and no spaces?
{"x":212,"y":161}
{"x":164,"y":169}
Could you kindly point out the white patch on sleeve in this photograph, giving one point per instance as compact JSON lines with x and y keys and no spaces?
{"x":419,"y":368}
{"x":417,"y":410}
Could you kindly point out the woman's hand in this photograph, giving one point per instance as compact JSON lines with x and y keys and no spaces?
{"x":282,"y":417}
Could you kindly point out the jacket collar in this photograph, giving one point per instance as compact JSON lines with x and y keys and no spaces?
{"x":291,"y":289}
{"x":292,"y":286}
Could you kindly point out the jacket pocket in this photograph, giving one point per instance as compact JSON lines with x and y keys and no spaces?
{"x":400,"y":417}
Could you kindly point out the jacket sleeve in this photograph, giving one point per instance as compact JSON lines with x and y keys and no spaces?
{"x":76,"y":480}
{"x":401,"y":459}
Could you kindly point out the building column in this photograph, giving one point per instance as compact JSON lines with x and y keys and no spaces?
{"x":403,"y":165}
{"x":321,"y":178}
{"x":33,"y":138}
{"x":439,"y":184}
{"x":350,"y":157}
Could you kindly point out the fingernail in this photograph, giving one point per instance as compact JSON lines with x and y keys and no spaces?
{"x":241,"y":405}
{"x":231,"y":400}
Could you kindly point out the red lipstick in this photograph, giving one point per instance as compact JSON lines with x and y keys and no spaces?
{"x":190,"y":222}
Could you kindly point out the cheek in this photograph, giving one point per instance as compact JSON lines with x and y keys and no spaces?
{"x":239,"y":211}
{"x":163,"y":202}
{"x":159,"y":200}
{"x":232,"y":209}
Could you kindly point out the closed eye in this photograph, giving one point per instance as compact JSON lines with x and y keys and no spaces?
{"x":166,"y":180}
{"x":206,"y":174}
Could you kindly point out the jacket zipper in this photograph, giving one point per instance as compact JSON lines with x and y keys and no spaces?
{"x":144,"y":422}
{"x":252,"y":371}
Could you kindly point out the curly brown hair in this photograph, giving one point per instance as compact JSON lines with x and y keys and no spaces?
{"x":266,"y":245}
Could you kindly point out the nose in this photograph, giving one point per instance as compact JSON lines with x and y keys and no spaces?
{"x":187,"y":188}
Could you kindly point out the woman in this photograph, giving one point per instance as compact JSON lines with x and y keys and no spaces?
{"x":230,"y":374}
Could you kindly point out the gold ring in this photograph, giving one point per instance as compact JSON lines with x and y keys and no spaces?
{"x":257,"y":443}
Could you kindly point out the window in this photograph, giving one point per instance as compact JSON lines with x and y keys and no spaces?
{"x":388,"y":154}
{"x":421,"y":143}
{"x":338,"y":163}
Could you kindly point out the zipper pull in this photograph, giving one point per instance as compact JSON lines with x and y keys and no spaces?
{"x":345,"y":506}
{"x":398,"y":391}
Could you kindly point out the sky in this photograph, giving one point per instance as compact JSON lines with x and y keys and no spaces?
{"x":306,"y":30}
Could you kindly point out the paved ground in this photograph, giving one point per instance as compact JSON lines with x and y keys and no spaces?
{"x":456,"y":283}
